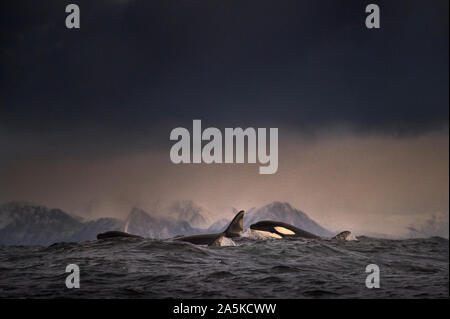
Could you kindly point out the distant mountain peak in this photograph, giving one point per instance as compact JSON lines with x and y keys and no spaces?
{"x":16,"y":204}
{"x":145,"y":224}
{"x":190,"y":212}
{"x":23,"y":223}
{"x":137,"y":212}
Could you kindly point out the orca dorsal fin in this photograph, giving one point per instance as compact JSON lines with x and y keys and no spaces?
{"x":236,"y":226}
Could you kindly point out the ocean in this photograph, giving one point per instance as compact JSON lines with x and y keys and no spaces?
{"x":242,"y":268}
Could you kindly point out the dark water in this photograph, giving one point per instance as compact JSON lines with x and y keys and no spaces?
{"x":288,"y":268}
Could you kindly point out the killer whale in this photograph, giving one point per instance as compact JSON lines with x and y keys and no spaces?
{"x":274,"y":229}
{"x":280,"y":230}
{"x":233,"y":230}
{"x":267,"y":228}
{"x":345,"y":235}
{"x":115,"y":233}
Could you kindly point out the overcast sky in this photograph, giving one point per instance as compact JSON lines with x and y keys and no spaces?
{"x":362,"y":114}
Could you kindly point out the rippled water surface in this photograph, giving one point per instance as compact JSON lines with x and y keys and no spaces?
{"x":287,"y":268}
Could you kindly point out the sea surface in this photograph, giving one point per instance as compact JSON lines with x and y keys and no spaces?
{"x":243,"y":268}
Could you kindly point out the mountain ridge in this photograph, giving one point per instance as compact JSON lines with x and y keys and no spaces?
{"x":23,"y":223}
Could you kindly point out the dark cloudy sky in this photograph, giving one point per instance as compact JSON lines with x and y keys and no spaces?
{"x":362,"y":114}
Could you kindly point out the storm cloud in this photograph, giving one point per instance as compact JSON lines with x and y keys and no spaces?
{"x":87,"y":113}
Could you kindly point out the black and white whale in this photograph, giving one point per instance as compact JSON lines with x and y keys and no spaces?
{"x":273,"y":229}
{"x":115,"y":233}
{"x":344,"y":235}
{"x":265,"y":228}
{"x":233,"y":230}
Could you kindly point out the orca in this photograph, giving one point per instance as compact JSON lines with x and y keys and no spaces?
{"x":266,"y":228}
{"x":114,"y":233}
{"x":345,"y":235}
{"x":273,"y":229}
{"x":234,"y":229}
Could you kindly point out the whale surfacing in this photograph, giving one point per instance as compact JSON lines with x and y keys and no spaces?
{"x":265,"y":229}
{"x":345,"y":235}
{"x":273,"y":229}
{"x":114,"y":234}
{"x":280,"y":230}
{"x":233,"y":230}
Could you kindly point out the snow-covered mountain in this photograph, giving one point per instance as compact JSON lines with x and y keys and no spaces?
{"x":219,"y":225}
{"x":140,"y":222}
{"x":24,"y":223}
{"x":434,"y":225}
{"x":276,"y":211}
{"x":190,"y":212}
{"x":31,"y":224}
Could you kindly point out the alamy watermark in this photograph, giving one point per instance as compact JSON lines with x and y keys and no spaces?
{"x":373,"y":18}
{"x":73,"y":280}
{"x":73,"y":17}
{"x":373,"y":279}
{"x":213,"y":152}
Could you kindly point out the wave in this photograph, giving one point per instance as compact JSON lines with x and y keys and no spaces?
{"x":244,"y":267}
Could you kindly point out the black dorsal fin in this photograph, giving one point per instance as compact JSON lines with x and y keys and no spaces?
{"x":236,"y":226}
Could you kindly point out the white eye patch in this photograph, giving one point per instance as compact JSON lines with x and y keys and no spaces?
{"x":284,"y":231}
